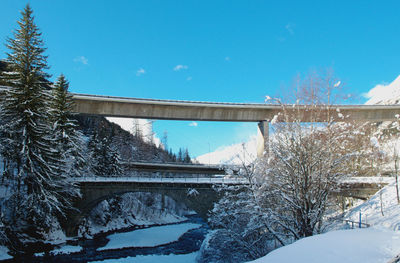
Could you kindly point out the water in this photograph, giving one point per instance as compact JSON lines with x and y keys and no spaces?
{"x":188,"y":243}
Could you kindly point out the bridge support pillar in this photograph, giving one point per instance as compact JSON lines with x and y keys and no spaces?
{"x":263,"y":138}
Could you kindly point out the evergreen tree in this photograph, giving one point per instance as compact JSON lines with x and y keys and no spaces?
{"x":180,"y":156}
{"x":187,"y":158}
{"x":41,"y":191}
{"x":105,"y":159}
{"x":66,"y":136}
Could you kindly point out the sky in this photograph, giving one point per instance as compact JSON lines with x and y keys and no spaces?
{"x":224,"y":51}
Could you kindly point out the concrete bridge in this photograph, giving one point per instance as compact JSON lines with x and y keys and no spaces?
{"x":231,"y":112}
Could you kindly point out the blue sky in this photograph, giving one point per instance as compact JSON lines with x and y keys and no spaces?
{"x":234,"y":51}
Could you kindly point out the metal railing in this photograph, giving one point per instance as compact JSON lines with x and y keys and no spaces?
{"x":198,"y":180}
{"x":355,"y":224}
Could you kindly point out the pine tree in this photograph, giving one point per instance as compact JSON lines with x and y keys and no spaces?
{"x":105,"y":159}
{"x":180,"y":156}
{"x":67,"y":138}
{"x":41,"y":192}
{"x":187,"y":158}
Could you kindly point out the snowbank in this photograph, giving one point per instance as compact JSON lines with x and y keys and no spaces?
{"x":366,"y":245}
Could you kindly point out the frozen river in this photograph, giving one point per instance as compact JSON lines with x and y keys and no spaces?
{"x":176,"y":243}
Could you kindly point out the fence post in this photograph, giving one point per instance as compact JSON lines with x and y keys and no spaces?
{"x":359,"y":224}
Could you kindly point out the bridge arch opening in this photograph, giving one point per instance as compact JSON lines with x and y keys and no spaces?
{"x":176,"y":196}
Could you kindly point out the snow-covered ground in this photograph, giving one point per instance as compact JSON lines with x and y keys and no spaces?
{"x":67,"y":249}
{"x":172,"y":258}
{"x":379,"y":243}
{"x":380,"y":215}
{"x":149,"y":237}
{"x":366,"y":245}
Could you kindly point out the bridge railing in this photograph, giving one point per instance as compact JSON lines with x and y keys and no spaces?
{"x":199,"y":180}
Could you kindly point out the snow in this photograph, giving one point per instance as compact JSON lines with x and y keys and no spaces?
{"x":128,"y":125}
{"x":149,"y":237}
{"x":233,"y":154}
{"x":379,"y":243}
{"x":384,"y":94}
{"x":345,"y":246}
{"x":4,"y":253}
{"x":371,"y":210}
{"x":56,"y":234}
{"x":133,"y":209}
{"x":66,"y":250}
{"x":172,"y":258}
{"x":368,"y":180}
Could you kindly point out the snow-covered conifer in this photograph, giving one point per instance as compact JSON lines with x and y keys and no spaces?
{"x":67,"y":138}
{"x":105,"y":159}
{"x":41,"y":192}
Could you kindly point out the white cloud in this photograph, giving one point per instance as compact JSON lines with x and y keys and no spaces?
{"x":81,"y":59}
{"x":180,"y":67}
{"x":189,"y":78}
{"x":384,"y":93}
{"x":290,"y":28}
{"x":281,"y":39}
{"x":193,"y":124}
{"x":140,"y":72}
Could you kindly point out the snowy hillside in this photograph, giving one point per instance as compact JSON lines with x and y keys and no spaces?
{"x":385,"y":214}
{"x":233,"y":154}
{"x":379,"y":243}
{"x":345,"y":246}
{"x":385,"y":94}
{"x":128,"y":124}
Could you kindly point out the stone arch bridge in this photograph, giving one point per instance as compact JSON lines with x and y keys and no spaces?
{"x":198,"y":194}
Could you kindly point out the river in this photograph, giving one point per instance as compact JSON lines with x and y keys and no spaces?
{"x":176,"y":243}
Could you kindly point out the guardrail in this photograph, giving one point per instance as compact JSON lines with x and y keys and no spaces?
{"x":357,"y":224}
{"x":199,"y":180}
